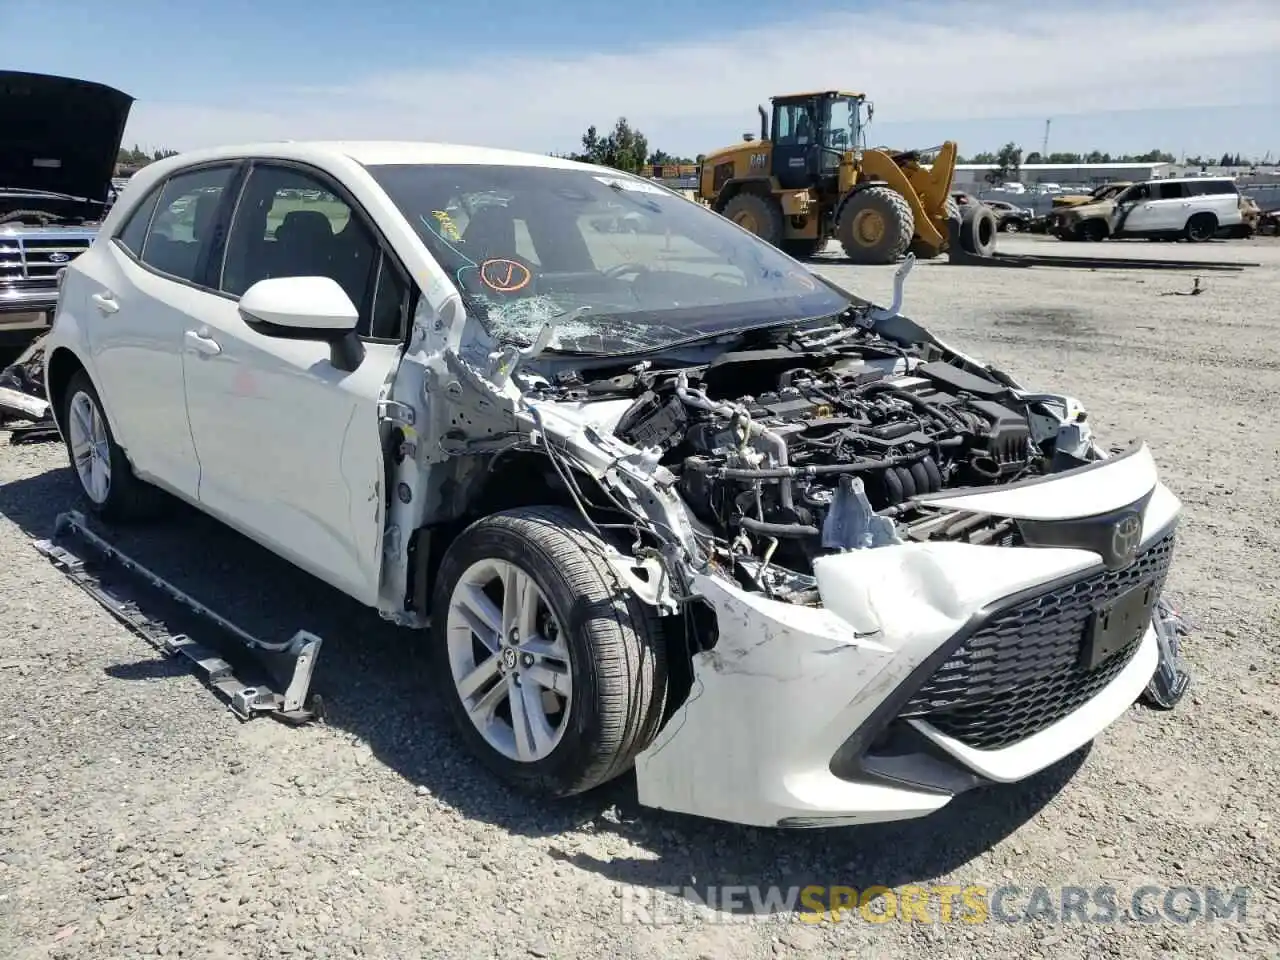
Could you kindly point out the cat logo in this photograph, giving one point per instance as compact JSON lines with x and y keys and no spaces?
{"x":758,"y":161}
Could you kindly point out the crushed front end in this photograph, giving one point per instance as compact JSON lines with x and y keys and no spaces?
{"x":928,"y":668}
{"x":892,"y":573}
{"x":919,"y":577}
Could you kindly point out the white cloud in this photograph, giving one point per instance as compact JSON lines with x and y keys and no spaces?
{"x":919,"y":61}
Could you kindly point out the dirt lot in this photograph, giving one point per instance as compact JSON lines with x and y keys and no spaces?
{"x":138,"y":818}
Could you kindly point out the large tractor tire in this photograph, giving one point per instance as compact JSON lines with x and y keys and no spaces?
{"x":875,"y":225}
{"x":953,"y":210}
{"x":978,"y":228}
{"x":921,"y":250}
{"x":757,"y":214}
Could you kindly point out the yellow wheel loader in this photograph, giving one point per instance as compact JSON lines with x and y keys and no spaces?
{"x":809,"y":178}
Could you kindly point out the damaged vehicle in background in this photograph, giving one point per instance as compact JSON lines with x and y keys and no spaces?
{"x":666,"y":501}
{"x":58,"y":152}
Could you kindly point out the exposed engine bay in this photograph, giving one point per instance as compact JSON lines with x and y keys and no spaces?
{"x":792,"y":450}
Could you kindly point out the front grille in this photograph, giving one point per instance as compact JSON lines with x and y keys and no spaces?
{"x":1020,"y":672}
{"x":37,"y":258}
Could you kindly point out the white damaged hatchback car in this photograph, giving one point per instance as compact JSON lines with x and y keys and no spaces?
{"x":663,"y":498}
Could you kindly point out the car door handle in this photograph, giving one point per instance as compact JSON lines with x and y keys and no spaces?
{"x":105,"y":302}
{"x":201,"y":344}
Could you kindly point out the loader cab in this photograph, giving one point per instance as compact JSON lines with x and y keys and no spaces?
{"x":811,"y":132}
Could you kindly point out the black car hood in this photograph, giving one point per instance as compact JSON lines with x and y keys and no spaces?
{"x":59,"y":134}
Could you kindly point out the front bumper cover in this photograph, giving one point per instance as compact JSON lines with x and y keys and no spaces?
{"x":802,"y":716}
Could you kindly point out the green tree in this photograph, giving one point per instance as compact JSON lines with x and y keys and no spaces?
{"x":137,"y":157}
{"x":661,"y":156}
{"x":625,"y":148}
{"x":1008,"y":164}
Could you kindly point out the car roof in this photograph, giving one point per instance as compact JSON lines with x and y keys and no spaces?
{"x":1231,"y":180}
{"x":376,"y":153}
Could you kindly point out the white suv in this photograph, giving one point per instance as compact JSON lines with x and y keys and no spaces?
{"x":1191,"y":208}
{"x":661,"y":498}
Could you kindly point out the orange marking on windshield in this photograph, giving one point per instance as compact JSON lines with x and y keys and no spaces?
{"x":505,"y":276}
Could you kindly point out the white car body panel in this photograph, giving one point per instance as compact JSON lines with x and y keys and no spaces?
{"x":289,"y":447}
{"x":1142,"y":216}
{"x":135,"y":355}
{"x":267,"y":435}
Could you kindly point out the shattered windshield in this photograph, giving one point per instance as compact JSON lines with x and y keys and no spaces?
{"x":620,"y":264}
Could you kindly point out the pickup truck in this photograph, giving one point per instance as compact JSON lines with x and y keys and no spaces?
{"x":57,"y":157}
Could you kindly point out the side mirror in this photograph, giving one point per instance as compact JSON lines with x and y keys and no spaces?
{"x":305,"y":308}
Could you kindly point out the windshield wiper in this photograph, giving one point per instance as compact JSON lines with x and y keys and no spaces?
{"x":49,"y":194}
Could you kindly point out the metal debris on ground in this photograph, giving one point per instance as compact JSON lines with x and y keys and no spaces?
{"x":97,"y":569}
{"x":1195,"y":291}
{"x":22,"y":397}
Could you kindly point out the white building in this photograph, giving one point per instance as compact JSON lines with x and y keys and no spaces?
{"x":972,"y":177}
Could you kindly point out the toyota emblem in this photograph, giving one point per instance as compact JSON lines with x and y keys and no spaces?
{"x":1124,"y":538}
{"x":59,"y":257}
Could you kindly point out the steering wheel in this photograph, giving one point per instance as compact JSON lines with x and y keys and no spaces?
{"x":509,"y":275}
{"x":622,"y":269}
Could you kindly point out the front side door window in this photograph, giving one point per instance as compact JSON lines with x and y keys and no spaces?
{"x":288,"y":224}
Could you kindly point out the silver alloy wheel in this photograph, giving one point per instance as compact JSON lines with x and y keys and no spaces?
{"x":510,"y":660}
{"x":90,"y":448}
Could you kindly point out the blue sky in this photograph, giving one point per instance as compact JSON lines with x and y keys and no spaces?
{"x":1181,"y":75}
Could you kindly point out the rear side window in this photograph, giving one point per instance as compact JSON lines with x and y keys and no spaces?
{"x":134,"y":232}
{"x":1169,"y":191}
{"x":1211,"y":188}
{"x":183,"y":228}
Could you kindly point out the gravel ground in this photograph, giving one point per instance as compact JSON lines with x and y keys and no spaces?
{"x":138,"y":818}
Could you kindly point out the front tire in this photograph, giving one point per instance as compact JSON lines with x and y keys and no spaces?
{"x":875,"y":225}
{"x":102,"y":470}
{"x":756,"y":214}
{"x":555,"y":673}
